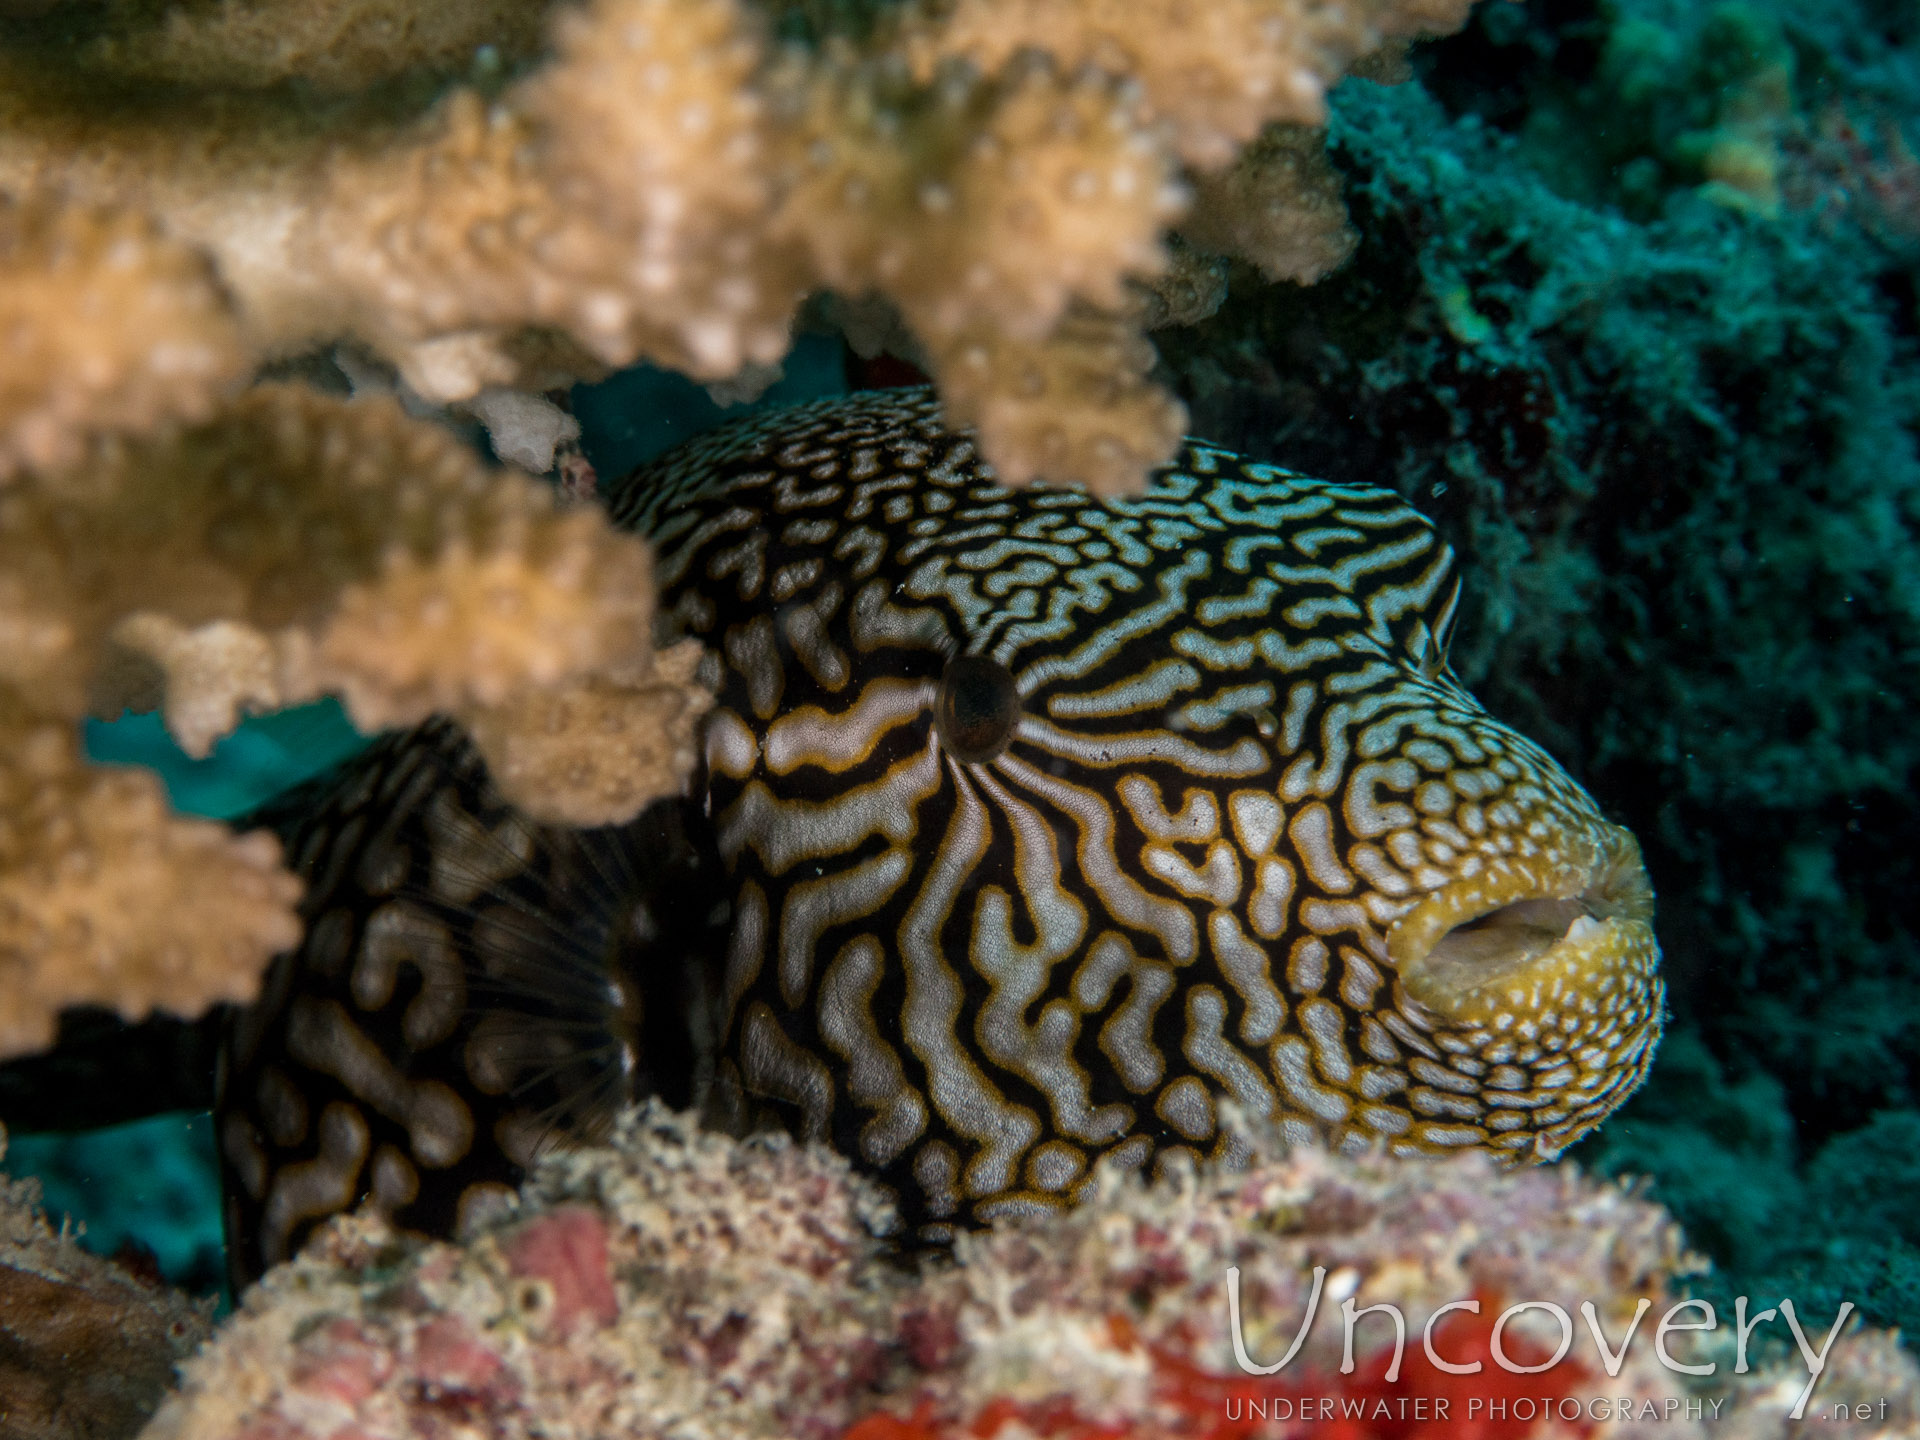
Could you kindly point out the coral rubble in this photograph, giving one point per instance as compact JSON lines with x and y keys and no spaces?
{"x":86,"y":1349}
{"x":158,"y":1213}
{"x":684,"y":1284}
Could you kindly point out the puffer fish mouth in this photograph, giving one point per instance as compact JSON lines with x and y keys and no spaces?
{"x":1545,"y":963}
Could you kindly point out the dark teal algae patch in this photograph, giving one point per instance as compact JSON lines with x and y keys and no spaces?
{"x":147,"y":1192}
{"x":1724,"y":1154}
{"x":1634,"y":318}
{"x":261,"y":758}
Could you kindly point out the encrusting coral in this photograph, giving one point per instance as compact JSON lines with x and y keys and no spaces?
{"x":679,"y":1283}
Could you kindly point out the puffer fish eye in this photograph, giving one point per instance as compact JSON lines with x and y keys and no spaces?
{"x":977,"y":709}
{"x":1255,"y":847}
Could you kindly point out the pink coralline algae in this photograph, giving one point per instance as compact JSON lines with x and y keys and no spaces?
{"x":568,"y":1250}
{"x":681,"y":1284}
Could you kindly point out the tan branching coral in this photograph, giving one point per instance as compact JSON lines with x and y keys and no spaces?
{"x":978,"y":203}
{"x":594,"y":751}
{"x":105,"y":324}
{"x":1215,"y":72}
{"x":671,"y":184}
{"x":298,"y":545}
{"x":1001,"y":218}
{"x":1193,"y":286}
{"x":658,"y":139}
{"x":1278,"y":207}
{"x":1080,"y":399}
{"x":301,"y":545}
{"x":108,"y":899}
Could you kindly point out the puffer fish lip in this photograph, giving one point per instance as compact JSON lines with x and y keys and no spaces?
{"x":1580,"y":910}
{"x":1546,"y":961}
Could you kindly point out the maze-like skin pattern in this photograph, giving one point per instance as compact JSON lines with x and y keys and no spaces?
{"x":1239,"y":761}
{"x":1219,"y":857}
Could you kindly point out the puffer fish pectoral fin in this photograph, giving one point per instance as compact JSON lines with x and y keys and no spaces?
{"x":1444,"y":622}
{"x":471,"y":989}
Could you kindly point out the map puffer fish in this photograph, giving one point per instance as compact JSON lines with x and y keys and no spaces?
{"x":1032,"y":829}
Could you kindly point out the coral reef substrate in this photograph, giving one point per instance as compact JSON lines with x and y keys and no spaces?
{"x":679,"y":1283}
